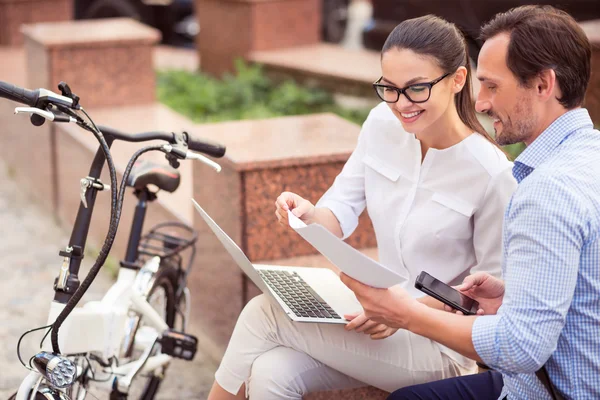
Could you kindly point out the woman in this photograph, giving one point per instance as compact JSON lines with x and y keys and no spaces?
{"x":436,"y":197}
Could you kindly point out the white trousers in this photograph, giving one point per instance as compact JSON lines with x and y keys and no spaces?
{"x":281,"y":359}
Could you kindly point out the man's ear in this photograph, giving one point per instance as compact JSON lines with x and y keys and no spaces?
{"x":546,"y":86}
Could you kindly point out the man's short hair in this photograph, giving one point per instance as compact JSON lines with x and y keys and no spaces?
{"x":542,"y":38}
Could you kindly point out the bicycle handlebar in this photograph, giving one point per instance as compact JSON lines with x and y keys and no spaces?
{"x":34,"y":98}
{"x":205,"y":146}
{"x":19,"y":94}
{"x":196,"y":144}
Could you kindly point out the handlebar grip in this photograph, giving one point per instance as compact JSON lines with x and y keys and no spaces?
{"x":204,"y":146}
{"x":18,"y":94}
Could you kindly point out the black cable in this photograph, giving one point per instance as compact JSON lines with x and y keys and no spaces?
{"x":115,"y":360}
{"x":90,"y":119}
{"x":45,"y":335}
{"x":100,"y":361}
{"x":21,"y":338}
{"x":89,"y":367}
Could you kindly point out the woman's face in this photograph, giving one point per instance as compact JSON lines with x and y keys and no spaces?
{"x":401,"y":68}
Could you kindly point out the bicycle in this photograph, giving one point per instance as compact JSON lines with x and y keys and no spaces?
{"x":112,"y":343}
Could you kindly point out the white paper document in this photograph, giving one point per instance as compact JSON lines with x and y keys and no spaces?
{"x":351,"y":261}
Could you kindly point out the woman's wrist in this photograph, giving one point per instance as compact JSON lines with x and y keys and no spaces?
{"x":324,"y":216}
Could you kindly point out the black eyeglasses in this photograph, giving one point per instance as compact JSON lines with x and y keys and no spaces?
{"x":417,"y":93}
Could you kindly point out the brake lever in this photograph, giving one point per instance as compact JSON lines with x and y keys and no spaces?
{"x":32,"y":110}
{"x":173,"y":153}
{"x":199,"y":157}
{"x":50,"y":116}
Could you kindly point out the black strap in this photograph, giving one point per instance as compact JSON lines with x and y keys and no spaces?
{"x":543,"y":376}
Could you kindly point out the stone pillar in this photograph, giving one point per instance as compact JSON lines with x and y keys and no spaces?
{"x":592,"y":98}
{"x":234,"y":28}
{"x":14,"y":13}
{"x":107,"y":62}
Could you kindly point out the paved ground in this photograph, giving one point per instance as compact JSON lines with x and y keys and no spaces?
{"x":29,"y":261}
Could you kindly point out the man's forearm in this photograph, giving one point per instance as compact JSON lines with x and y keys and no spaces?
{"x":452,"y":330}
{"x":431,"y":302}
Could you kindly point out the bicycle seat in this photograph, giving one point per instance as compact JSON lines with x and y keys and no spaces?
{"x":146,"y":173}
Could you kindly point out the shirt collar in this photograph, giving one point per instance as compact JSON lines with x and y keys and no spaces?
{"x":541,"y":148}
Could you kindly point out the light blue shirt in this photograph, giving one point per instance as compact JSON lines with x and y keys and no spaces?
{"x":551,"y":308}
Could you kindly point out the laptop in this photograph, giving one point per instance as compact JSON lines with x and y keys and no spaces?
{"x":305,"y":294}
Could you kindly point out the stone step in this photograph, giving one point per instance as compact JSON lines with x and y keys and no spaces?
{"x":15,"y":13}
{"x":324,"y":65}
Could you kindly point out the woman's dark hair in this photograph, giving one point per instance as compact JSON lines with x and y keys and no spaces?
{"x":442,"y":41}
{"x":542,"y":38}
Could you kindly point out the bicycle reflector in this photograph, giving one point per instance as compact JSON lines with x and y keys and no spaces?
{"x":59,"y":371}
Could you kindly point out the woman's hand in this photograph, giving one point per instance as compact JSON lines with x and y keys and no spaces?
{"x":486,"y":289}
{"x":299,"y":206}
{"x":360,"y":323}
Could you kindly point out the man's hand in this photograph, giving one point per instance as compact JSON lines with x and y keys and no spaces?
{"x":392,"y":307}
{"x":395,"y":308}
{"x":486,"y":289}
{"x":360,"y":323}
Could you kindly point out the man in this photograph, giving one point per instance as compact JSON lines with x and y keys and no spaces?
{"x":534,"y":69}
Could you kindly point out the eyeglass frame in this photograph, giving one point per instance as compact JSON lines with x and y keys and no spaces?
{"x":402,"y":91}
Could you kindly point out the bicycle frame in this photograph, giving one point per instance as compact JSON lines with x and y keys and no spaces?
{"x":105,"y":327}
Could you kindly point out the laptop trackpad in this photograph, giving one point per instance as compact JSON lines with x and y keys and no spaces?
{"x":329,"y":286}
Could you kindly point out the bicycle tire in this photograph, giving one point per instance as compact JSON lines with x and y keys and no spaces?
{"x":165,"y":279}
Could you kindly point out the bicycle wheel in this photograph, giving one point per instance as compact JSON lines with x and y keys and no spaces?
{"x":162,"y":298}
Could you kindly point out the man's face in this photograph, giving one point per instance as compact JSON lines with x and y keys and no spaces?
{"x":508,"y":103}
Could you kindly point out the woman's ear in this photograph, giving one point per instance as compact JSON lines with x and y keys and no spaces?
{"x":460,"y":78}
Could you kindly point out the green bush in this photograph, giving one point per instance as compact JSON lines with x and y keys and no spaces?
{"x":514,"y":149}
{"x":249,"y":94}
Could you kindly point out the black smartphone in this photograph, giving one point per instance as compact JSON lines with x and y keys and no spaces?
{"x":446,"y":294}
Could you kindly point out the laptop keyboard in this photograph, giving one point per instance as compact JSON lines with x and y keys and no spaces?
{"x":297,"y":295}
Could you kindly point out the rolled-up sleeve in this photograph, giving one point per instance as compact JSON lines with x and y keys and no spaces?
{"x":346,"y":197}
{"x":545,"y":231}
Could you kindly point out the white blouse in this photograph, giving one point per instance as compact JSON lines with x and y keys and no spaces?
{"x":443,"y":215}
